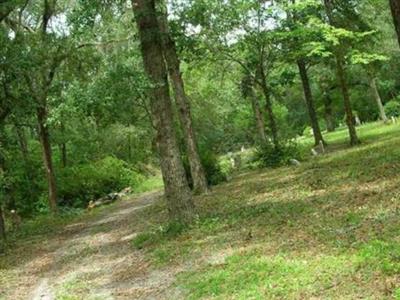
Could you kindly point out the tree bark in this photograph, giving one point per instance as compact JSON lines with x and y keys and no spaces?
{"x":378,"y":99}
{"x":23,"y":145}
{"x":395,"y":8}
{"x":308,"y":97}
{"x":47,"y":156}
{"x":2,"y":231}
{"x":341,"y":75}
{"x":63,"y":147}
{"x":259,"y":117}
{"x":329,"y":117}
{"x":179,"y":199}
{"x":346,"y":100}
{"x":268,"y":107}
{"x":171,"y":57}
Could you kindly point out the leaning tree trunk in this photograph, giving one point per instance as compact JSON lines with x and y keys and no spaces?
{"x":329,"y":117}
{"x":378,"y":100}
{"x":395,"y":8}
{"x":196,"y":168}
{"x":341,"y":75}
{"x":47,"y":157}
{"x":2,"y":231}
{"x":310,"y":102}
{"x":268,"y":107}
{"x":259,"y":117}
{"x":346,"y":100}
{"x":179,"y":199}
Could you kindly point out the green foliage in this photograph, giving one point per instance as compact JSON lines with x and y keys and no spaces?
{"x":215,"y":173}
{"x":392,"y":108}
{"x":272,"y":157}
{"x":82,"y":183}
{"x":212,"y":168}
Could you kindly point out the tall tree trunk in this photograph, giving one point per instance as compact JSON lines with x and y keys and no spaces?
{"x":308,"y":97}
{"x":329,"y":117}
{"x":341,"y":75}
{"x":378,"y":99}
{"x":2,"y":231}
{"x":259,"y":117}
{"x":63,"y":150}
{"x":171,"y":57}
{"x":63,"y":147}
{"x":179,"y":199}
{"x":268,"y":107}
{"x":47,"y":157}
{"x":395,"y":8}
{"x":23,"y":145}
{"x":346,"y":100}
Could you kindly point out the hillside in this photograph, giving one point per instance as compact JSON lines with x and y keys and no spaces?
{"x":329,"y":229}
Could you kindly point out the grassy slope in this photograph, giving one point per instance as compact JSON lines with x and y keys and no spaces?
{"x":328,"y":229}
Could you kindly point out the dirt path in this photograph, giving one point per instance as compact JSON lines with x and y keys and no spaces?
{"x":95,"y":260}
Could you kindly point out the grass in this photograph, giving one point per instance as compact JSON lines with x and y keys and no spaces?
{"x":329,"y":229}
{"x":150,"y":184}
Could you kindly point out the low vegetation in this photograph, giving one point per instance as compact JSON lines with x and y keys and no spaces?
{"x":329,"y":228}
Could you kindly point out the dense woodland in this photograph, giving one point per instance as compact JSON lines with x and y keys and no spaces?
{"x":98,"y":95}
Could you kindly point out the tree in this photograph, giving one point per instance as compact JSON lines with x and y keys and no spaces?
{"x":247,"y":88}
{"x":339,"y":53}
{"x":310,"y":102}
{"x":177,"y":192}
{"x":183,"y":103}
{"x":395,"y":8}
{"x":297,"y":38}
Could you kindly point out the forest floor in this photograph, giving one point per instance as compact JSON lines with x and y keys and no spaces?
{"x":328,"y":229}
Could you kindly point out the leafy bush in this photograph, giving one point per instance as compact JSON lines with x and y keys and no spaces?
{"x":392,"y":108}
{"x":271,"y":157}
{"x":212,"y":168}
{"x":80,"y":184}
{"x":307,"y":132}
{"x":215,"y":173}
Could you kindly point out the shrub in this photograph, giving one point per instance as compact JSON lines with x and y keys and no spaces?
{"x":392,"y":108}
{"x":212,"y":168}
{"x":271,"y":157}
{"x":307,"y":132}
{"x":80,"y":184}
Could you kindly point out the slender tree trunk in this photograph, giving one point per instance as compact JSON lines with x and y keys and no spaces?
{"x":23,"y":145}
{"x":341,"y":74}
{"x":259,"y":117}
{"x":179,"y":199}
{"x":395,"y":8}
{"x":378,"y":99}
{"x":63,"y":148}
{"x":3,"y":193}
{"x":329,"y":117}
{"x":196,"y":168}
{"x":268,"y":107}
{"x":2,"y":231}
{"x":310,"y":102}
{"x":346,"y":100}
{"x":47,"y":157}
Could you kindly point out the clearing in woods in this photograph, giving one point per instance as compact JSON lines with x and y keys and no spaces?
{"x":328,"y":229}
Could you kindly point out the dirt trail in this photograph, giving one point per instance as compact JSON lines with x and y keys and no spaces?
{"x":95,"y":260}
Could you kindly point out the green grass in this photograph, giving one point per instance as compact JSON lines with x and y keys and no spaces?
{"x":150,"y":184}
{"x":329,"y":229}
